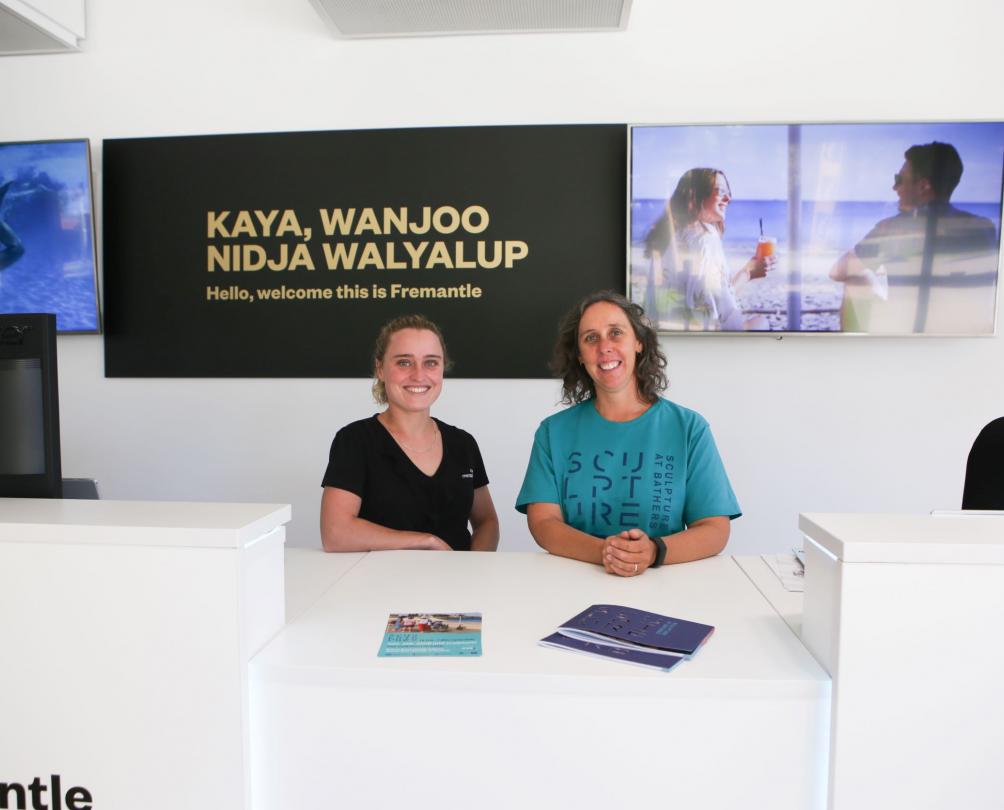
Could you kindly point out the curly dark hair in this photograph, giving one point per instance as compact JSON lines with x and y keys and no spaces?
{"x":383,"y":340}
{"x":576,"y":384}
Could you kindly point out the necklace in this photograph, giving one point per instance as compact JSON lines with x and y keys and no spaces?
{"x":411,"y":449}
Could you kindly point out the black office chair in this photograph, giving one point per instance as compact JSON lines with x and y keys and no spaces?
{"x":984,"y":487}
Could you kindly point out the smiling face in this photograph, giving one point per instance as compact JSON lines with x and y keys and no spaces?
{"x":712,"y":210}
{"x":608,"y":347}
{"x":412,"y":369}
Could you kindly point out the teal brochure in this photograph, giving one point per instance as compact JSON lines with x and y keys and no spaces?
{"x":423,"y":634}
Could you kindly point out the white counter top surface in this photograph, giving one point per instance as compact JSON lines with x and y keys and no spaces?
{"x":788,"y":604}
{"x":310,"y":572}
{"x":168,"y":523}
{"x":524,"y":597}
{"x":974,"y":539}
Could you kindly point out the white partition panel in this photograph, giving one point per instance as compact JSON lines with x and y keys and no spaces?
{"x":126,"y":630}
{"x":905,"y":613}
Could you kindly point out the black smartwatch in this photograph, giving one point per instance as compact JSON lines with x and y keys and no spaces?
{"x":660,"y":551}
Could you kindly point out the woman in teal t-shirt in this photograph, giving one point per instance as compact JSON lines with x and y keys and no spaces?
{"x":623,"y":478}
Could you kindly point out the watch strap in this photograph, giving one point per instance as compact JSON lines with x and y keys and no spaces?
{"x":660,"y":551}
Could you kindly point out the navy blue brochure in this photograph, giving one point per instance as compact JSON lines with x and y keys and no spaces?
{"x":644,"y":658}
{"x":625,"y":627}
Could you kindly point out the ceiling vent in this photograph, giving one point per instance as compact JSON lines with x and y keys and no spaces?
{"x":414,"y":18}
{"x":39,"y":26}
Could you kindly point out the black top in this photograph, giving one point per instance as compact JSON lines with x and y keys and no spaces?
{"x":366,"y":461}
{"x":984,"y":487}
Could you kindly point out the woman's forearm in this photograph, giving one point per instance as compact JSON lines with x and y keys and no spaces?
{"x":557,"y":537}
{"x":486,"y":536}
{"x":356,"y":534}
{"x":484,"y":521}
{"x":343,"y":530}
{"x":702,"y":538}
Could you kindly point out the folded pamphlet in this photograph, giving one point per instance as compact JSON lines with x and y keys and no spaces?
{"x":630,"y":635}
{"x":629,"y":656}
{"x":407,"y":635}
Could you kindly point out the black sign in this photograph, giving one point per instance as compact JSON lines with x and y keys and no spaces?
{"x":281,"y":255}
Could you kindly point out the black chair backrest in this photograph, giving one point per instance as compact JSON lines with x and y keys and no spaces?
{"x":984,"y":487}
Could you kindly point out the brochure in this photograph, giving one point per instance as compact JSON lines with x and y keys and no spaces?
{"x":632,"y":635}
{"x":431,"y":634}
{"x":628,"y":656}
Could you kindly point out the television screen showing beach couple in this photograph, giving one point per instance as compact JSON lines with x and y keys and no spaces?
{"x":47,"y":233}
{"x":878,"y":229}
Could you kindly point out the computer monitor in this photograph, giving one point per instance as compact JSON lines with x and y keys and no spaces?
{"x":29,"y":407}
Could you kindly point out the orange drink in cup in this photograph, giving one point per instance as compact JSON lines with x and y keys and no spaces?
{"x":766,"y":246}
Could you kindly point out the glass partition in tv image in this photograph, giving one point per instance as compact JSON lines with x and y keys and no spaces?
{"x":47,"y":233}
{"x":890,"y":229}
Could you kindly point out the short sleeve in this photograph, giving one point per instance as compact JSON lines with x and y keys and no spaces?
{"x":347,"y":461}
{"x":539,"y":484}
{"x":477,"y":463}
{"x":869,"y":249}
{"x":709,"y":493}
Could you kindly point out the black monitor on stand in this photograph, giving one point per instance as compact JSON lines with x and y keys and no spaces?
{"x":29,"y":408}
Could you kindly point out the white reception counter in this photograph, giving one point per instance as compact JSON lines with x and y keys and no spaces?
{"x":164,"y":655}
{"x":127,"y":629}
{"x":528,"y":726}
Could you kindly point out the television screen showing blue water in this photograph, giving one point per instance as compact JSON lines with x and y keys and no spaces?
{"x":849,"y":228}
{"x":47,"y":233}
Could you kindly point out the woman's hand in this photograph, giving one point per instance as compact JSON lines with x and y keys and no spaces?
{"x":629,"y":553}
{"x":343,"y":530}
{"x":431,"y":543}
{"x":758,"y":268}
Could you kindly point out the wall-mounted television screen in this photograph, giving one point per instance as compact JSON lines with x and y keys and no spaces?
{"x":880,"y":229}
{"x":47,"y":252}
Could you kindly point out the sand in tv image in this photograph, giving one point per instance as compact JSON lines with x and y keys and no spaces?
{"x":46,"y":233}
{"x":859,"y":228}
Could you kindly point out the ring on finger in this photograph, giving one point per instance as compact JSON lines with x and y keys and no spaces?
{"x":636,"y":568}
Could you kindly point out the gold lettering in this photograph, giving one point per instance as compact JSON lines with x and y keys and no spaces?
{"x":514,"y":251}
{"x":371,"y":255}
{"x":216,"y":224}
{"x":368,"y":222}
{"x":468,"y":219}
{"x":415,"y":251}
{"x":439,"y":255}
{"x":266,"y":220}
{"x":340,"y":255}
{"x":337,"y":221}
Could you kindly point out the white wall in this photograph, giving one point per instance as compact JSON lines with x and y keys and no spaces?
{"x":803,"y":424}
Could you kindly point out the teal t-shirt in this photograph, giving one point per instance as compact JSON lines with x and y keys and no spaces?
{"x":658,"y":473}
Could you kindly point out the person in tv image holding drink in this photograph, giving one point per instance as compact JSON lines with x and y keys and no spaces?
{"x":686,"y":242}
{"x":623,"y":478}
{"x":902,"y":275}
{"x":402,"y":479}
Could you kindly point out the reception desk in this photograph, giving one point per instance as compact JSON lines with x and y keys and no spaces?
{"x":164,"y":655}
{"x":742,"y":724}
{"x":905,"y":613}
{"x":127,"y":629}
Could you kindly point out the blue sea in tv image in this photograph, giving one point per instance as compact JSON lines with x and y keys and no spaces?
{"x":825,"y":225}
{"x":46,"y":233}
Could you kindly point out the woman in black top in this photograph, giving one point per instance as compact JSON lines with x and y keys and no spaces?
{"x":402,"y":479}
